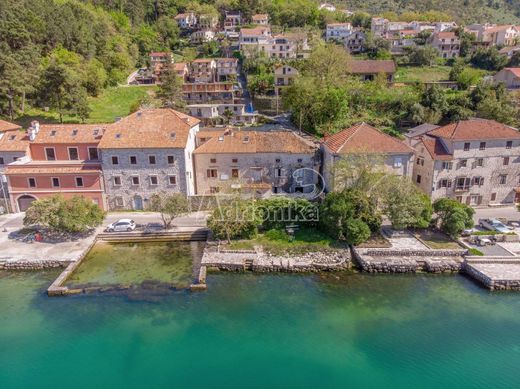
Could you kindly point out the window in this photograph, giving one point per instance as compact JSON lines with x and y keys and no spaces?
{"x":117,"y":180}
{"x":478,"y":181}
{"x":115,"y":161}
{"x":153,"y":180}
{"x":79,"y":181}
{"x":502,"y":179}
{"x":398,"y":162}
{"x":73,"y":153}
{"x":480,"y":162}
{"x":444,"y":183}
{"x":93,"y":154}
{"x":300,"y":160}
{"x":50,"y":154}
{"x":234,"y":160}
{"x":133,"y":160}
{"x":31,"y":182}
{"x":493,"y":196}
{"x":462,"y":183}
{"x":171,"y":160}
{"x":234,"y":173}
{"x":212,"y":173}
{"x":172,"y":180}
{"x":278,"y":172}
{"x":213,"y":160}
{"x":509,"y":144}
{"x":1,"y":160}
{"x":463,"y":163}
{"x":447,"y":165}
{"x":214,"y":189}
{"x":277,"y":160}
{"x":151,"y":159}
{"x":506,"y":161}
{"x":55,"y":182}
{"x":418,"y":178}
{"x":420,"y":161}
{"x":466,"y":146}
{"x":482,"y":146}
{"x":135,"y":180}
{"x":119,"y":201}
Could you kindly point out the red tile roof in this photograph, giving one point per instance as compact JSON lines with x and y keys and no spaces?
{"x":7,"y":126}
{"x":149,"y":128}
{"x":369,"y":66}
{"x":435,"y":148}
{"x":475,"y":129}
{"x":70,"y":133}
{"x":16,"y":140}
{"x":365,"y":139}
{"x":515,"y":71}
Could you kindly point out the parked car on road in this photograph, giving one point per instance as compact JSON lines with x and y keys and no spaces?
{"x":121,"y":225}
{"x":494,"y":225}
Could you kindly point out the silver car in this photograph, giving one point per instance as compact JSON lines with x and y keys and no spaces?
{"x":121,"y":226}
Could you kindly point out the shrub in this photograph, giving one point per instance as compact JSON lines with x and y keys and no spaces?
{"x":237,"y":220}
{"x":277,"y":235}
{"x":278,"y":212}
{"x":454,"y":217}
{"x":356,"y":231}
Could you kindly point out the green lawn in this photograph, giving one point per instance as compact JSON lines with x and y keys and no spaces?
{"x":279,"y":243}
{"x":437,"y":240}
{"x":112,"y":103}
{"x":422,"y":73}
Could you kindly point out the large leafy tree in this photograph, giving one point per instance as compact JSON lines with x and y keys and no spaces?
{"x":170,"y":206}
{"x":453,"y":217}
{"x":77,"y":214}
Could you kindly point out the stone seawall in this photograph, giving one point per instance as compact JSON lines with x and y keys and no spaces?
{"x":408,"y":261}
{"x":32,"y":265}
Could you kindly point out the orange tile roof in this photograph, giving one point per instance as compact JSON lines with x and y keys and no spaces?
{"x":29,"y":169}
{"x":446,"y":34}
{"x":515,"y":71}
{"x":16,"y":140}
{"x":7,"y":126}
{"x":70,"y":133}
{"x":254,"y":31}
{"x":203,"y":60}
{"x":372,"y":66}
{"x":149,"y":128}
{"x":366,"y":139}
{"x":475,"y":129}
{"x":259,"y":16}
{"x":242,"y":142}
{"x":435,"y":148}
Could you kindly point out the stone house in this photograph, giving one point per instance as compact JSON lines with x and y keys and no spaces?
{"x":260,"y":162}
{"x":207,"y":22}
{"x":504,"y":35}
{"x":202,"y":70}
{"x":202,"y":36}
{"x":509,"y":76}
{"x":287,"y":45}
{"x":160,"y":58}
{"x":284,"y":76}
{"x":62,"y":159}
{"x":368,"y":69}
{"x":447,"y":42}
{"x":337,"y":31}
{"x":365,"y":140}
{"x":14,"y":144}
{"x":355,"y":42}
{"x":250,"y":38}
{"x":186,"y":20}
{"x":475,"y":161}
{"x":148,"y":152}
{"x":260,"y":19}
{"x":226,"y":69}
{"x":232,"y":20}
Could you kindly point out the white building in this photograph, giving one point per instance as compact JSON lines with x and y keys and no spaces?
{"x":338,"y":31}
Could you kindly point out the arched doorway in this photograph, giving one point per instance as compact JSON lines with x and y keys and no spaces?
{"x":138,"y":203}
{"x":24,"y":202}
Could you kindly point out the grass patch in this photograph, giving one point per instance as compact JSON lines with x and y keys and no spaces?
{"x":476,"y":252}
{"x":277,"y":242}
{"x":110,"y":104}
{"x":422,"y":73}
{"x":437,"y":240}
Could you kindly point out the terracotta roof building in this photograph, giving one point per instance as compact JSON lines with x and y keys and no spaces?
{"x":7,"y":126}
{"x":148,"y":152}
{"x":475,"y":161}
{"x":368,"y":69}
{"x":363,"y":139}
{"x":510,"y":77}
{"x":268,"y":162}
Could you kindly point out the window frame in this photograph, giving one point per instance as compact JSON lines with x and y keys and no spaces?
{"x":52,"y":182}
{"x":77,"y":153}
{"x":76,"y":182}
{"x":53,"y":153}
{"x":29,"y":182}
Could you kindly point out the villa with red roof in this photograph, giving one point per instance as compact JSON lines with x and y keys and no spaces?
{"x":363,"y":139}
{"x":475,"y":161}
{"x":58,"y":158}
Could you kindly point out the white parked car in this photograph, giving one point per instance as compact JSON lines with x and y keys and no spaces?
{"x":121,"y":225}
{"x":494,"y":225}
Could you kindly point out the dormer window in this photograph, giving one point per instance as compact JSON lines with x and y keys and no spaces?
{"x":172,"y":135}
{"x":246,"y":139}
{"x":12,"y":137}
{"x":74,"y":132}
{"x":96,"y":132}
{"x":53,"y":133}
{"x":118,"y":136}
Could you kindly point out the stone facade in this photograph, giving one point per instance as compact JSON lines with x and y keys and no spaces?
{"x":485,"y":173}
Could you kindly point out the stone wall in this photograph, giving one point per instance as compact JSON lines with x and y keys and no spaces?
{"x":32,"y":265}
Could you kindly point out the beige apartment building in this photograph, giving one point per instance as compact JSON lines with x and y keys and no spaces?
{"x":475,"y":161}
{"x":363,"y":139}
{"x":262,"y":163}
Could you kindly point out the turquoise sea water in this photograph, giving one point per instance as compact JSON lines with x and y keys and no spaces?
{"x":257,"y":331}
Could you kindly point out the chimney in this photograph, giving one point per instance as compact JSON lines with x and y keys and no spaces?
{"x":36,"y":125}
{"x":32,"y":134}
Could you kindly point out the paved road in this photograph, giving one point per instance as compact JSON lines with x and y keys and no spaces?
{"x":510,"y":213}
